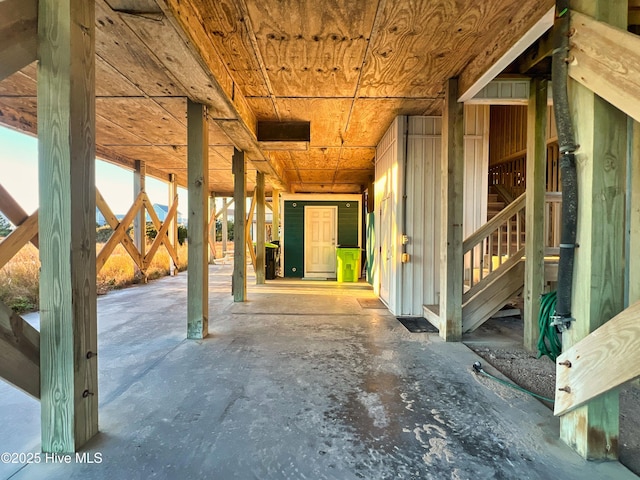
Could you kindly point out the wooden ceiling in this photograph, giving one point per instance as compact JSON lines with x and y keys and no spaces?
{"x":346,"y":66}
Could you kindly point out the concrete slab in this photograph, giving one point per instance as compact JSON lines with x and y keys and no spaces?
{"x":300,"y":382}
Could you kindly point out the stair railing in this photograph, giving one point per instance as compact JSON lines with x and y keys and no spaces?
{"x":489,"y":243}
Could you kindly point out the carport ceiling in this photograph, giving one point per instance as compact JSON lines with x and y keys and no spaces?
{"x":346,"y":66}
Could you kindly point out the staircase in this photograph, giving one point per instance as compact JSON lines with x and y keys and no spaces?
{"x":494,"y":262}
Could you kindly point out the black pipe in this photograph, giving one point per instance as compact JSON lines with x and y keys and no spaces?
{"x":566,"y":140}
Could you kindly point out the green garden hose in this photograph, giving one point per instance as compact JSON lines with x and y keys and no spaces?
{"x":477,"y":366}
{"x":549,"y":343}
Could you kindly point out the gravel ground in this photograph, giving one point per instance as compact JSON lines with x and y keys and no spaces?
{"x":499,"y":342}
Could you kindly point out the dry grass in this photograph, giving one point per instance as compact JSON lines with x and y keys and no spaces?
{"x":19,"y":279}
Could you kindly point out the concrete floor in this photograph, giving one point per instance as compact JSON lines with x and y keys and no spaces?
{"x":300,"y":382}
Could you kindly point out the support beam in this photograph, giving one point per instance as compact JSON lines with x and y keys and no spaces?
{"x":239,"y":285}
{"x":18,"y":35}
{"x":536,"y":179}
{"x":66,"y":152}
{"x":140,"y":220}
{"x":198,"y":180}
{"x":592,"y":430}
{"x":451,"y":264}
{"x":212,"y":227}
{"x":606,"y":60}
{"x":19,"y":352}
{"x":275,"y":209}
{"x":261,"y":229}
{"x":225,"y":227}
{"x":634,"y":218}
{"x":173,"y":227}
{"x":13,"y":211}
{"x":604,"y":360}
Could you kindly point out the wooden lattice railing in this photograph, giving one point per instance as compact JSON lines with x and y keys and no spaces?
{"x":19,"y":341}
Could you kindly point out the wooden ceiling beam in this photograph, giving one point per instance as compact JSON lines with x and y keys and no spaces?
{"x":190,"y":57}
{"x":536,"y":53}
{"x":527,"y":25}
{"x":18,"y":35}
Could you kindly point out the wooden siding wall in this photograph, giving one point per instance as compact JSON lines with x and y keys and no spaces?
{"x":421,"y":275}
{"x":388,"y":200}
{"x":293,"y":248}
{"x":417,"y":283}
{"x":476,"y":161}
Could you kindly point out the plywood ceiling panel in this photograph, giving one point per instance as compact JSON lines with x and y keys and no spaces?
{"x":20,"y":84}
{"x":143,"y":117}
{"x":263,"y":108}
{"x":311,"y":48}
{"x":316,"y":158}
{"x":227,"y":29}
{"x":371,"y":117}
{"x":117,"y":45}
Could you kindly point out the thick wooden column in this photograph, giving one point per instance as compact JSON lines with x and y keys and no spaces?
{"x":598,"y":283}
{"x":275,"y":209}
{"x":198,"y":185}
{"x":140,"y":220}
{"x":212,"y":227}
{"x":452,"y":213}
{"x":260,"y":226}
{"x":66,"y":151}
{"x":239,"y":215}
{"x":634,"y":227}
{"x":173,"y":228}
{"x":536,"y":188}
{"x":225,"y":229}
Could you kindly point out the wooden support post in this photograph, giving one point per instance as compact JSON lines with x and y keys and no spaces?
{"x":451,"y":267}
{"x":261,"y":229}
{"x":592,"y":430}
{"x":239,"y":285}
{"x":173,"y":227}
{"x":536,"y":179}
{"x":212,"y":227}
{"x":633,"y":269}
{"x":140,"y":220}
{"x":225,"y":228}
{"x":18,"y":35}
{"x":66,"y":152}
{"x":275,"y":209}
{"x":198,"y":184}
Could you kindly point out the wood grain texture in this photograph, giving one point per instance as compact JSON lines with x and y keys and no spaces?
{"x":634,"y":227}
{"x":140,"y":220}
{"x":18,"y":238}
{"x":239,"y":284}
{"x":18,"y":35}
{"x":370,"y":118}
{"x":198,"y":240}
{"x":312,"y":49}
{"x":605,"y":359}
{"x":13,"y":211}
{"x":260,"y":229}
{"x":536,"y":183}
{"x":606,"y":60}
{"x":66,"y":151}
{"x":592,"y":430}
{"x":19,"y":352}
{"x":505,"y":25}
{"x":451,"y":258}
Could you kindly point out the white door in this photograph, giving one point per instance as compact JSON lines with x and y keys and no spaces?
{"x":385,"y":250}
{"x":320,"y":234}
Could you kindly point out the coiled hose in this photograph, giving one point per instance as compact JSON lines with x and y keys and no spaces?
{"x":549,"y":342}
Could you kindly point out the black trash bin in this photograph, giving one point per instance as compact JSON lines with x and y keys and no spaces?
{"x":271,"y":253}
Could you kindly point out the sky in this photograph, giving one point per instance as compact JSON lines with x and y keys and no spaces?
{"x":19,"y":176}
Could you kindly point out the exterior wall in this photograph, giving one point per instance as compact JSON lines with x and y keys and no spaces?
{"x":293,"y":248}
{"x":416,"y":282}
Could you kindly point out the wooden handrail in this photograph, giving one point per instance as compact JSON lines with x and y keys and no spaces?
{"x":489,"y":227}
{"x":608,"y":357}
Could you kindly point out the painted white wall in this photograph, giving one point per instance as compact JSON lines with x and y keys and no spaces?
{"x":417,"y":282}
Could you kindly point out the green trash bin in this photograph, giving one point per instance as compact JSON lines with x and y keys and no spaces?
{"x":348,"y":263}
